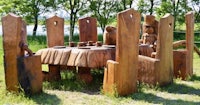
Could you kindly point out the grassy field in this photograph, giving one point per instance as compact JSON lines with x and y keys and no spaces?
{"x":70,"y":91}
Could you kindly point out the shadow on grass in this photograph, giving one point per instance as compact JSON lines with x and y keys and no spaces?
{"x":195,"y":78}
{"x":180,"y":89}
{"x":46,"y":99}
{"x":151,"y":98}
{"x":69,"y":82}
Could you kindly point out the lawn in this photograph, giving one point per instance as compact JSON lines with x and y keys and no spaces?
{"x":70,"y":91}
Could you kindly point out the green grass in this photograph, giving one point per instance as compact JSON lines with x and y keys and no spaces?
{"x":70,"y":91}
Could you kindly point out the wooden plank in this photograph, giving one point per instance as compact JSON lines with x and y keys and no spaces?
{"x":55,"y":31}
{"x":189,"y":20}
{"x":30,"y":74}
{"x":110,"y":77}
{"x":164,"y":49}
{"x":88,"y":29}
{"x":128,"y":27}
{"x":11,"y":26}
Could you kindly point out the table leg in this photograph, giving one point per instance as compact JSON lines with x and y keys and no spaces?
{"x":84,"y":74}
{"x":53,"y":74}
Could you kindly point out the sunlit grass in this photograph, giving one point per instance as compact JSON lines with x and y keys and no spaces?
{"x":70,"y":91}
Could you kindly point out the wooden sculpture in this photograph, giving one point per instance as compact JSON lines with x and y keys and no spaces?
{"x":109,"y":35}
{"x":149,"y":36}
{"x":159,"y":69}
{"x":55,"y":37}
{"x":183,"y":59}
{"x":20,"y":69}
{"x":88,"y":29}
{"x":120,"y":76}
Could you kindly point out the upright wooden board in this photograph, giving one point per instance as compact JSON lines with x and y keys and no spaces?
{"x":88,"y":29}
{"x":164,"y":49}
{"x":11,"y":25}
{"x":128,"y":29}
{"x":121,"y":76}
{"x":189,"y":20}
{"x":55,"y":31}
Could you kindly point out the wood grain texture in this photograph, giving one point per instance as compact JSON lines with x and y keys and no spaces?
{"x":128,"y":26}
{"x":165,"y":49}
{"x":55,"y":31}
{"x":183,"y":60}
{"x":162,"y":64}
{"x":34,"y":72}
{"x":88,"y":29}
{"x":11,"y":26}
{"x":189,"y":20}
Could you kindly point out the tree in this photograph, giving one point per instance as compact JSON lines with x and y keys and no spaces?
{"x":178,"y":8}
{"x":73,"y":7}
{"x":104,"y":11}
{"x":29,"y":9}
{"x":195,"y":5}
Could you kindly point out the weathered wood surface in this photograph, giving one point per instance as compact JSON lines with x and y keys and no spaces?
{"x":88,"y":29}
{"x":183,"y":60}
{"x":121,"y":76}
{"x":19,"y":69}
{"x":162,"y":65}
{"x":109,"y":35}
{"x":55,"y":31}
{"x":11,"y":26}
{"x":146,"y":50}
{"x":30,"y":74}
{"x":89,"y":56}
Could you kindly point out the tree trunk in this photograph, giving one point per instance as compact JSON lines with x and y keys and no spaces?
{"x":151,"y":9}
{"x":71,"y":34}
{"x":35,"y":26}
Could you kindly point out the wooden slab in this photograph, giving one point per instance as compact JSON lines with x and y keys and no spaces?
{"x":189,"y":20}
{"x":128,"y":26}
{"x":11,"y":26}
{"x":55,"y":31}
{"x":164,"y":49}
{"x":30,"y":74}
{"x":88,"y":29}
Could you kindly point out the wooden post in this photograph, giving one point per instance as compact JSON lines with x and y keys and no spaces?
{"x":189,"y":20}
{"x":55,"y":37}
{"x":88,"y":29}
{"x":183,"y":59}
{"x":11,"y":25}
{"x":121,"y":75}
{"x":165,"y":50}
{"x":55,"y":31}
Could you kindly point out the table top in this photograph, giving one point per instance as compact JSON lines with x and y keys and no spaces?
{"x":86,"y":56}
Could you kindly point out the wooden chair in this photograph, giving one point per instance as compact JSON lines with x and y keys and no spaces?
{"x":159,"y":69}
{"x":88,"y":29}
{"x":55,"y":37}
{"x":120,"y":76}
{"x":183,"y":58}
{"x":20,"y":70}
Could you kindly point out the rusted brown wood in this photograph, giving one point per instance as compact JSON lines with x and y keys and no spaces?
{"x":159,"y":69}
{"x":55,"y":31}
{"x":88,"y":29}
{"x":126,"y":55}
{"x":183,"y":61}
{"x":11,"y":26}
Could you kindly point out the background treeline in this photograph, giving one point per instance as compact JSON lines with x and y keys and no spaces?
{"x":34,"y":11}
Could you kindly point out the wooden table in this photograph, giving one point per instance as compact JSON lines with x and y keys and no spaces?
{"x":84,"y":58}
